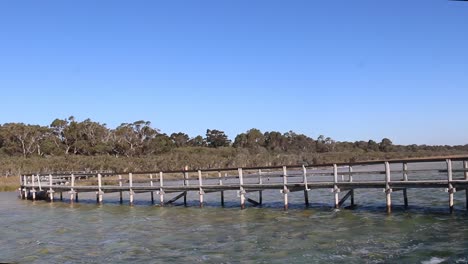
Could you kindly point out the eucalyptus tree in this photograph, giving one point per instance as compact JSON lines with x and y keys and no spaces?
{"x":217,"y":138}
{"x":197,"y":141}
{"x":180,"y":139}
{"x":66,"y":134}
{"x":23,"y":139}
{"x":386,"y":145}
{"x":132,"y":138}
{"x":275,"y":141}
{"x":252,"y":139}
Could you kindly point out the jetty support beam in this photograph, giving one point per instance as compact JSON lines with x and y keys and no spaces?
{"x":405,"y":178}
{"x":241,"y":189}
{"x":151,"y":184}
{"x":176,"y":198}
{"x":306,"y":187}
{"x":130,"y":190}
{"x":388,"y":190}
{"x":450,"y":188}
{"x":465,"y":167}
{"x":72,"y":190}
{"x":99,"y":192}
{"x":285,"y":190}
{"x":336,"y":191}
{"x":51,"y":191}
{"x":161,"y":190}
{"x":343,"y":200}
{"x":221,"y":184}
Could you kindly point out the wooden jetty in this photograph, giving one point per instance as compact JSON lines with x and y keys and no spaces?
{"x":342,"y":179}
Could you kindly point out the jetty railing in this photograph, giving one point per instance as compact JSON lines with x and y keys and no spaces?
{"x":342,"y":179}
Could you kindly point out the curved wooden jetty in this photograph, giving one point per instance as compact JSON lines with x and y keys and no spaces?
{"x":449,"y":173}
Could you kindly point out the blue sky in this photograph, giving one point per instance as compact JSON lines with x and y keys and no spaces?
{"x":351,"y":70}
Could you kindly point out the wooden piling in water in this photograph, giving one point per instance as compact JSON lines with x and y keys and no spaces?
{"x":25,"y":190}
{"x":151,"y":184}
{"x":120,"y":189}
{"x":350,"y":169}
{"x":130,"y":191}
{"x":241,"y":191}
{"x":336,"y":190}
{"x":186,"y":183}
{"x":388,"y":190}
{"x":465,"y":167}
{"x":33,"y":190}
{"x":72,"y":190}
{"x":450,"y":188}
{"x":21,"y":187}
{"x":161,"y":190}
{"x":285,"y":187}
{"x":260,"y":192}
{"x":221,"y":184}
{"x":200,"y":191}
{"x":306,"y":187}
{"x":99,"y":192}
{"x":51,"y":191}
{"x":405,"y":178}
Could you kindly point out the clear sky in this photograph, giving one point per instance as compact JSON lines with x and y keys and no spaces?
{"x":351,"y":70}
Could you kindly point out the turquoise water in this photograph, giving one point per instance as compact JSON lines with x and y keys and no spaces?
{"x":59,"y":232}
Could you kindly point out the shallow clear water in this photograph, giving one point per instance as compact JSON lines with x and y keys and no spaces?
{"x":84,"y":232}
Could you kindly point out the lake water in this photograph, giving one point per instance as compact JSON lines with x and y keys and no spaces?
{"x":84,"y":232}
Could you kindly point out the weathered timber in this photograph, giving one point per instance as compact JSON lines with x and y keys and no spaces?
{"x":388,"y":189}
{"x":343,"y":200}
{"x":287,"y":180}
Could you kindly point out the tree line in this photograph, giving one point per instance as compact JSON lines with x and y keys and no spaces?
{"x":89,"y":138}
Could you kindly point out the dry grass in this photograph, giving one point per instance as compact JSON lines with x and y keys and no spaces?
{"x":8,"y":184}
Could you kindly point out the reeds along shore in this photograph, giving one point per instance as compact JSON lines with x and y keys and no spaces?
{"x":194,"y":158}
{"x":9,"y":184}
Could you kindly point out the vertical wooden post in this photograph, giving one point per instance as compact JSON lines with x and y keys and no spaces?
{"x":39,"y":182}
{"x":285,"y":187}
{"x":306,"y":187}
{"x":51,"y":191}
{"x":241,"y":191}
{"x":130,"y":189}
{"x":450,"y":189}
{"x":151,"y":184}
{"x":186,"y":183}
{"x":221,"y":184}
{"x":465,"y":167}
{"x":72,"y":189}
{"x":388,"y":190}
{"x":161,"y":190}
{"x":99,"y":193}
{"x":260,"y":181}
{"x":405,"y":178}
{"x":200,"y":185}
{"x":21,"y":187}
{"x":336,"y":190}
{"x":25,"y":189}
{"x":350,"y":169}
{"x":120,"y":185}
{"x":33,"y":190}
